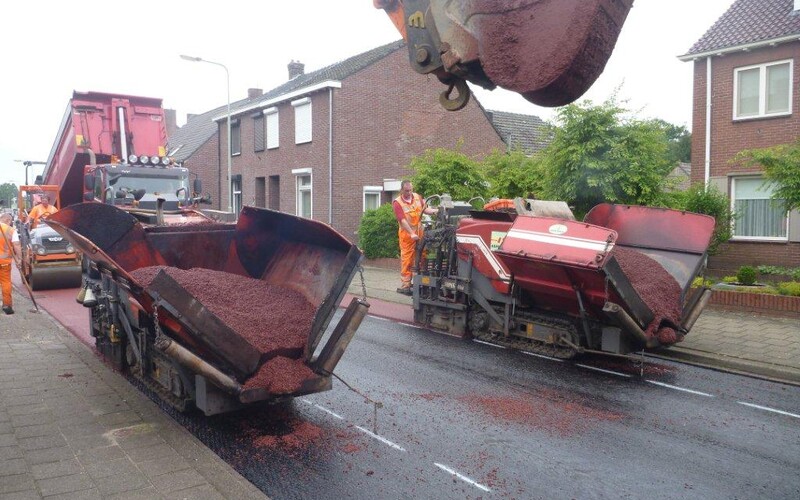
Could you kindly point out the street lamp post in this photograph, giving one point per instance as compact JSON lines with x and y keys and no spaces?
{"x":228,"y":80}
{"x":28,"y":164}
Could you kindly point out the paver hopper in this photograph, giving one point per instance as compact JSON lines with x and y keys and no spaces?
{"x":184,"y":305}
{"x":618,"y":281}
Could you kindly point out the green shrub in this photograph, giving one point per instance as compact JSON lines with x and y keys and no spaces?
{"x":700,"y":281}
{"x":796,"y":274}
{"x":791,"y":288}
{"x":730,"y":279}
{"x":772,"y":270}
{"x":746,"y":275}
{"x":715,"y":203}
{"x":377,"y":233}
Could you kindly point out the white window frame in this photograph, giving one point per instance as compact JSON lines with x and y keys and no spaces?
{"x":736,"y":237}
{"x":302,"y":115}
{"x":298,"y":173}
{"x":370,"y":190}
{"x":762,"y":90}
{"x":273,"y":132}
{"x":236,"y":194}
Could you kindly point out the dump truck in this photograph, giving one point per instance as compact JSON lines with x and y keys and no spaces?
{"x":47,"y":260}
{"x":527,"y":275}
{"x":216,"y":316}
{"x":111,"y":148}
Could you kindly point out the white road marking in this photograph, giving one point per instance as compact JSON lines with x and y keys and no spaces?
{"x":381,"y":438}
{"x":542,"y":356}
{"x":328,"y":411}
{"x":766,"y":408}
{"x":304,"y":400}
{"x":680,"y":389}
{"x":610,"y":372}
{"x":411,"y":325}
{"x":462,"y":477}
{"x":378,"y":317}
{"x":489,"y":343}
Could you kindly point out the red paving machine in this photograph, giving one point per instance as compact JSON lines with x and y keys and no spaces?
{"x":216,"y":315}
{"x":535,"y":279}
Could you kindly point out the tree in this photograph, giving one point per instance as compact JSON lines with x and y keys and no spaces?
{"x":781,"y":165}
{"x":8,"y":191}
{"x":680,"y":141}
{"x":597,"y":156}
{"x":512,"y":174}
{"x":441,"y":170}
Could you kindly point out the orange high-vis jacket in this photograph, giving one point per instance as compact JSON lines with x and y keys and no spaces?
{"x":5,"y":250}
{"x":40,"y":211}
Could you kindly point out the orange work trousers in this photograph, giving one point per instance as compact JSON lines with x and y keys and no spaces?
{"x":5,"y":283}
{"x":408,"y":248}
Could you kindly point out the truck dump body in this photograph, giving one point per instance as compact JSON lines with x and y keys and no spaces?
{"x":252,"y":299}
{"x":94,"y":121}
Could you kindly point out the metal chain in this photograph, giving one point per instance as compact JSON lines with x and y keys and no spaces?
{"x":363,"y":284}
{"x":376,"y":405}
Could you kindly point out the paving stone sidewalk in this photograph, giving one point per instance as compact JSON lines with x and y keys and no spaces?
{"x":740,"y":342}
{"x":72,"y":428}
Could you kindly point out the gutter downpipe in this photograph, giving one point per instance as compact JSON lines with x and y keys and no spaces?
{"x":707,"y":173}
{"x":330,"y":156}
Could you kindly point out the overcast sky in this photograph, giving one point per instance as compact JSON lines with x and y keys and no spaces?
{"x":50,"y":48}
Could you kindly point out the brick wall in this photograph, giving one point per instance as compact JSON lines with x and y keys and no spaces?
{"x":382,"y":117}
{"x":205,"y":164}
{"x":728,"y":137}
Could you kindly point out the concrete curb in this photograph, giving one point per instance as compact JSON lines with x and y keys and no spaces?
{"x":730,"y":364}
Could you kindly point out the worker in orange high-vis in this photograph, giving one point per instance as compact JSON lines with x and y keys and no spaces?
{"x":408,"y":208}
{"x":42,"y":210}
{"x":9,"y":249}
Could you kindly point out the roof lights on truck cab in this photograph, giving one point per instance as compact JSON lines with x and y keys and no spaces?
{"x":154,"y":161}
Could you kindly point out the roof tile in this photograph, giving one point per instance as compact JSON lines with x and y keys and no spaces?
{"x":750,"y":21}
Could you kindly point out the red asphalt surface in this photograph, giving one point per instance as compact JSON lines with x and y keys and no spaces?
{"x":62,"y":306}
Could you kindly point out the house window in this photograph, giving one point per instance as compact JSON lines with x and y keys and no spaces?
{"x":302,"y":120}
{"x":236,"y":189}
{"x":763,"y":90}
{"x":236,"y":138}
{"x":304,"y":192}
{"x":258,"y":133}
{"x":272,"y":127}
{"x":758,"y":216}
{"x":372,"y":197}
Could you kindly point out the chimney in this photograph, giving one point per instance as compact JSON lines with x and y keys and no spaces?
{"x":251,"y":93}
{"x":171,"y":118}
{"x":190,"y":116}
{"x":295,"y":69}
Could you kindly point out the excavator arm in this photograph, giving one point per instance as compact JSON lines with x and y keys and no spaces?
{"x":548,"y":51}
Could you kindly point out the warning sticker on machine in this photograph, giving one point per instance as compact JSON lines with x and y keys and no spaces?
{"x":497,"y":239}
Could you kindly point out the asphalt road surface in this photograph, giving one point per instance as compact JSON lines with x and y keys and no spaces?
{"x":461,"y":419}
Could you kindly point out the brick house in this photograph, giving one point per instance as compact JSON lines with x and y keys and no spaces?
{"x":334,"y":142}
{"x":745,"y":96}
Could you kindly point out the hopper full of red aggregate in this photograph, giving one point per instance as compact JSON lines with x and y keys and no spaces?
{"x":235,"y":295}
{"x":642,"y":259}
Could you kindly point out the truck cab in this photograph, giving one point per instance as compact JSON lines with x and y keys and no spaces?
{"x":144,"y":186}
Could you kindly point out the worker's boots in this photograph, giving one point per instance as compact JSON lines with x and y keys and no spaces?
{"x":8,"y":309}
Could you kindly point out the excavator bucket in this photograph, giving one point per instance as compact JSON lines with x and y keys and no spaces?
{"x":309,"y":260}
{"x":549,"y":51}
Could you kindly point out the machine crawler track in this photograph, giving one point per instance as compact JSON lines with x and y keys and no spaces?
{"x":532,"y":345}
